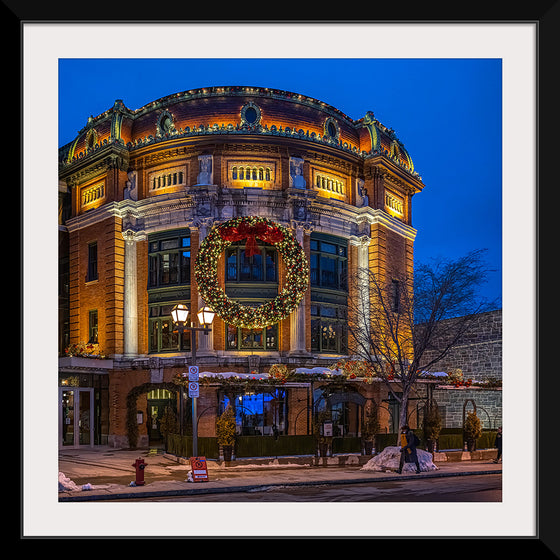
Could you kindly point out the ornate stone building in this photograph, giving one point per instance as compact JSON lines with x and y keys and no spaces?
{"x":141,"y":190}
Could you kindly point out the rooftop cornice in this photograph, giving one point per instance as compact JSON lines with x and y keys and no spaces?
{"x":242,"y":129}
{"x":374,"y":216}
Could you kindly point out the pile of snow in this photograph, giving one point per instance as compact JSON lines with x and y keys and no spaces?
{"x":433,"y":374}
{"x":390,"y":457}
{"x":227,"y":374}
{"x":324,"y":370}
{"x":65,"y":484}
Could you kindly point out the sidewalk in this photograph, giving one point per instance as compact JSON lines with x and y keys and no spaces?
{"x":108,"y":473}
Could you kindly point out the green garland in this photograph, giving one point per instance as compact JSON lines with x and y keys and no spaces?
{"x":271,"y":312}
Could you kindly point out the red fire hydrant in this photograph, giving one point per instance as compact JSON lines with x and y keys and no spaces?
{"x":140,"y":465}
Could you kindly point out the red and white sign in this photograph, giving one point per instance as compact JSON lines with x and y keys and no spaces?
{"x":193,"y":389}
{"x":199,"y":469}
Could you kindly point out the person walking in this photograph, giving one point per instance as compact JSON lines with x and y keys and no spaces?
{"x":408,"y":449}
{"x":498,"y":444}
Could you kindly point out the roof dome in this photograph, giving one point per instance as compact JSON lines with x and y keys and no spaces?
{"x":237,"y":110}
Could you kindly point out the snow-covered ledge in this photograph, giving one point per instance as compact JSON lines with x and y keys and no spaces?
{"x":75,"y":362}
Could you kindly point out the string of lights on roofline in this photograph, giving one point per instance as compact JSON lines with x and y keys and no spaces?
{"x":244,"y":127}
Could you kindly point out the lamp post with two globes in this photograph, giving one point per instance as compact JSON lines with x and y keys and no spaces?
{"x":180,"y":314}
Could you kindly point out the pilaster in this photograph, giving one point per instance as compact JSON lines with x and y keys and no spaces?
{"x":130,"y":315}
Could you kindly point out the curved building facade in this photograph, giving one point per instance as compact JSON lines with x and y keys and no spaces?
{"x":140,"y":192}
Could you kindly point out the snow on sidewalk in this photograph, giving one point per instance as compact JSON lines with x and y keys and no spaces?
{"x":390,"y":457}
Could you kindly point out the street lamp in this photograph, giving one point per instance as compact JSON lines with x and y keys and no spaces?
{"x":180,"y":314}
{"x":205,"y":318}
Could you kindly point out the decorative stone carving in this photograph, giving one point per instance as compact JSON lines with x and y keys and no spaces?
{"x":362,"y":198}
{"x":130,"y":190}
{"x":205,"y":170}
{"x":296,"y":173}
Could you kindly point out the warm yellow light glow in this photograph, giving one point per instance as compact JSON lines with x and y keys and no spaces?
{"x":206,"y":316}
{"x":180,"y":314}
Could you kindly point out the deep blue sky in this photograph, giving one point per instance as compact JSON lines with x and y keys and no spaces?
{"x":447,"y":112}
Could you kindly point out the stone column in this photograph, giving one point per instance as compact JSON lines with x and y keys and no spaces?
{"x":130,"y":315}
{"x":297,"y":316}
{"x":362,"y":288}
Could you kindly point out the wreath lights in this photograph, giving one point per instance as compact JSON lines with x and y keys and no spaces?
{"x":251,"y":228}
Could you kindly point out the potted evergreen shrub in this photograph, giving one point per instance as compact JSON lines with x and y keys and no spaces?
{"x":168,"y":425}
{"x":472,"y":430}
{"x":431,"y":426}
{"x":225,"y":432}
{"x":370,"y":428}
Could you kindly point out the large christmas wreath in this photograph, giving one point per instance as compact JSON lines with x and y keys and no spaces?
{"x":251,"y":228}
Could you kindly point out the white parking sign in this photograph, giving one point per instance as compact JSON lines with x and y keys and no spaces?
{"x":193,"y":389}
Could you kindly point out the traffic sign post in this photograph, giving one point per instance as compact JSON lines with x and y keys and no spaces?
{"x":193,"y":389}
{"x":179,"y":313}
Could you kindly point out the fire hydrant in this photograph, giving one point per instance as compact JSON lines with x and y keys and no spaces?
{"x":140,"y":465}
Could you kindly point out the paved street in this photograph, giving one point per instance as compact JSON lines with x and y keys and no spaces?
{"x":108,"y":475}
{"x":482,"y":488}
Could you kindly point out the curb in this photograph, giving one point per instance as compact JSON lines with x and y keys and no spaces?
{"x":257,"y":487}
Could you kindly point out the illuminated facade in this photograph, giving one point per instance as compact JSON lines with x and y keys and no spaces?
{"x":141,"y":189}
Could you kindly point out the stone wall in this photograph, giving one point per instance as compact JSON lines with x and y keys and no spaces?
{"x":452,"y":401}
{"x":479,"y":357}
{"x":479,"y":354}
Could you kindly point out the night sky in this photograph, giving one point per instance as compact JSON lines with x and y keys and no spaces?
{"x":446,"y":112}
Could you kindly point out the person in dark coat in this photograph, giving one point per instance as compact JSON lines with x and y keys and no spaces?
{"x":498,"y":444}
{"x":408,"y":449}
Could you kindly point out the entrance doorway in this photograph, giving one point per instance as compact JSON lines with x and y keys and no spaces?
{"x":75,"y":417}
{"x":159,"y":400}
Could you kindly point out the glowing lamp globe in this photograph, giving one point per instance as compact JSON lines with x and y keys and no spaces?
{"x":205,"y":316}
{"x":180,"y":314}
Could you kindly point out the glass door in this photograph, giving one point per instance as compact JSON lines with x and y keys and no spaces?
{"x":75,"y":417}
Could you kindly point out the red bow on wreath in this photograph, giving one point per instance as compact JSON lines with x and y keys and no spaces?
{"x":264,"y":232}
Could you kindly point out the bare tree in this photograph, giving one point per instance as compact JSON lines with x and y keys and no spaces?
{"x":401,"y":327}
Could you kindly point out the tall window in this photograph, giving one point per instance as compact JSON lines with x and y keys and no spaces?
{"x":92,"y":327}
{"x":262,"y":267}
{"x":163,"y":333}
{"x":329,"y":264}
{"x":169,"y":261}
{"x":329,"y":294}
{"x":169,"y":278}
{"x":395,"y":296}
{"x":329,"y":330}
{"x":92,"y":261}
{"x":252,"y":278}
